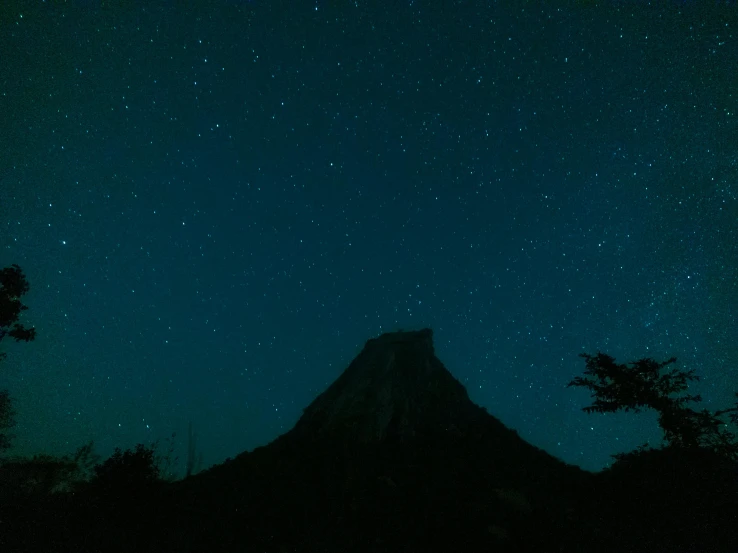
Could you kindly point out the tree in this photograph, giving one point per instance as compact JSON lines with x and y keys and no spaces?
{"x":13,"y":285}
{"x":44,"y":474}
{"x":7,"y":419}
{"x":647,"y":383}
{"x":128,"y":470}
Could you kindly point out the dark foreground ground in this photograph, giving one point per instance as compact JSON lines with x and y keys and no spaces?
{"x":321,"y":497}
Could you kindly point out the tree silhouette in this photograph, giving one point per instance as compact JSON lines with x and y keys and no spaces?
{"x":7,"y":419}
{"x":647,"y":383}
{"x":13,"y":285}
{"x":128,"y":470}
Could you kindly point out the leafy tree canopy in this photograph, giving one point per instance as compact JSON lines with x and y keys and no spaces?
{"x":127,"y":472}
{"x":649,"y":383}
{"x":13,"y":285}
{"x":45,"y":474}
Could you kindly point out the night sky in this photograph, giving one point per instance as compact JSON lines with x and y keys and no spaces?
{"x":217,"y":206}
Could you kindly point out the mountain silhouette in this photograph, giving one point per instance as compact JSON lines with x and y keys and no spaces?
{"x":395,"y":390}
{"x":392,"y":456}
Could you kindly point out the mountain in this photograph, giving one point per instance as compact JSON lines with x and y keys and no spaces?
{"x":392,"y":456}
{"x":395,"y":390}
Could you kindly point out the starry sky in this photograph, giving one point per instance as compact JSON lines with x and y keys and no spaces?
{"x":216,"y":204}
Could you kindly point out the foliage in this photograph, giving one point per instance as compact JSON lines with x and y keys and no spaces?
{"x":85,"y":460}
{"x":40,"y":475}
{"x":44,"y":474}
{"x":7,"y":419}
{"x":646,"y":383}
{"x":166,"y":462}
{"x":128,"y":469}
{"x":13,"y":285}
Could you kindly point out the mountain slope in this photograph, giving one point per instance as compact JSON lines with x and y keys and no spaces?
{"x":395,"y":390}
{"x":392,"y":455}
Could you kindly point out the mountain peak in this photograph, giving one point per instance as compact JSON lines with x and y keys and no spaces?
{"x":395,"y":389}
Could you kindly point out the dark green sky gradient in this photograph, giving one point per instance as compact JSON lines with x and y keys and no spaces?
{"x":216,"y":207}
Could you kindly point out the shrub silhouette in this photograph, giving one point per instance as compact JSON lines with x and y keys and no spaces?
{"x":128,"y":470}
